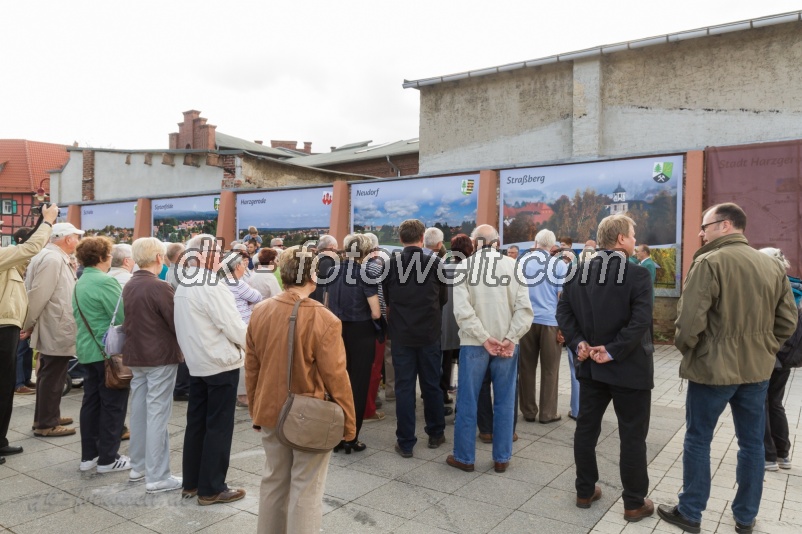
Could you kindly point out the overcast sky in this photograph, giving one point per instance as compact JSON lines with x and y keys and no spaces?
{"x":118,"y":74}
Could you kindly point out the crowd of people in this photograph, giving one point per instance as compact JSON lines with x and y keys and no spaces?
{"x":211,"y":325}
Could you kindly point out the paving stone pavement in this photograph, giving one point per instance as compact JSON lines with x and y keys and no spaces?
{"x":378,"y":491}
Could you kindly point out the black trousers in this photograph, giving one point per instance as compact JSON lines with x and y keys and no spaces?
{"x":49,"y":387}
{"x":448,"y":369}
{"x":182,"y":380}
{"x":102,"y":416}
{"x":359,"y":338}
{"x":210,"y":427}
{"x":775,"y":440}
{"x":484,"y":408}
{"x":9,"y":337}
{"x":633,"y":408}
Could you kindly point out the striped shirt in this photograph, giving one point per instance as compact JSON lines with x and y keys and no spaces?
{"x":245,"y":296}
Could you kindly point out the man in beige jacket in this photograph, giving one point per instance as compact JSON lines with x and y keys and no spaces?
{"x":493,"y":311}
{"x":13,"y":308}
{"x":50,"y":283}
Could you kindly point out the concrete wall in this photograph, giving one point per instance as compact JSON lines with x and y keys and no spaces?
{"x":734,"y":88}
{"x":504,"y":119}
{"x":114,"y":179}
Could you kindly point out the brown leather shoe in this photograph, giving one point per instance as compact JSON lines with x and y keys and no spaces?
{"x":639,"y":513}
{"x":53,"y":432}
{"x":486,"y":438}
{"x":189,"y":493}
{"x":514,"y":437}
{"x":62,"y":421}
{"x":500,"y":467}
{"x":24,"y":390}
{"x":585,"y":503}
{"x":468,"y":468}
{"x":230,"y":495}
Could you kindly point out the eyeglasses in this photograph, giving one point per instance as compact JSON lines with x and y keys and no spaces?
{"x":704,"y":226}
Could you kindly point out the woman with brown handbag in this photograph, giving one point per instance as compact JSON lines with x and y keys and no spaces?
{"x":103,"y":409}
{"x":291,"y":495}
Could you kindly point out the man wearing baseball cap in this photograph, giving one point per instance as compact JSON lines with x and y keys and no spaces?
{"x":50,"y":283}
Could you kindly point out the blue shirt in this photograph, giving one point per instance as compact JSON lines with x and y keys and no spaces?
{"x":544,"y":275}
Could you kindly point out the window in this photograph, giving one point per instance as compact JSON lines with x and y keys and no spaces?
{"x":9,"y":207}
{"x":5,"y":241}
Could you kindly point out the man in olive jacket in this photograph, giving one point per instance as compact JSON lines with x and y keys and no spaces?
{"x":736,"y":311}
{"x":13,"y":310}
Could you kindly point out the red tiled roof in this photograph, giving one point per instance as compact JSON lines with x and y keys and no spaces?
{"x":24,"y":164}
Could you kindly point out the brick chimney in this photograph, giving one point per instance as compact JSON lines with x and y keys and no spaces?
{"x":307,"y":147}
{"x":292,"y":145}
{"x":193,"y":133}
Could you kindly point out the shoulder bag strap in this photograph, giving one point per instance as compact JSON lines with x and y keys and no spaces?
{"x":102,"y":351}
{"x":290,"y":343}
{"x":117,"y":307}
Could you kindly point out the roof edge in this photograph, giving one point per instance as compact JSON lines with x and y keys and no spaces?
{"x":769,"y":20}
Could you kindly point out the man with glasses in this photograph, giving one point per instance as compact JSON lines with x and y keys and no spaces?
{"x":728,"y":334}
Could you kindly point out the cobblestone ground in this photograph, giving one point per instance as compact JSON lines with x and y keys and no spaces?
{"x":378,"y":491}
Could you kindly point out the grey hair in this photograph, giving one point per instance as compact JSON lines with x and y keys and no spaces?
{"x":174,"y":250}
{"x":374,"y":240}
{"x":545,"y":239}
{"x":432,"y":236}
{"x":778,"y":255}
{"x":326,"y":241}
{"x":201,"y":239}
{"x":119,"y":253}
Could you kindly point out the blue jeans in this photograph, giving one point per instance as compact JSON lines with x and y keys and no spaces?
{"x":574,"y":384}
{"x":412,"y":364}
{"x":703,"y":406}
{"x":473,"y":364}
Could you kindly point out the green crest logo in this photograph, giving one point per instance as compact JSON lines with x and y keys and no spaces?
{"x":217,"y":204}
{"x":661,"y":173}
{"x":467,"y":187}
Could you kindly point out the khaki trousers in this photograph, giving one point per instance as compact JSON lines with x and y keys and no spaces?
{"x":540,"y":343}
{"x":291,"y":495}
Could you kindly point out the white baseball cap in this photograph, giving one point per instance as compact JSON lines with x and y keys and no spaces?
{"x":65,"y":229}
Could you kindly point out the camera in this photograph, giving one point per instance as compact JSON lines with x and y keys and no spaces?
{"x":37,"y":210}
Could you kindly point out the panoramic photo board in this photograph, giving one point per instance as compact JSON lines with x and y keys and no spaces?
{"x":446,"y":202}
{"x":175,"y":220}
{"x":115,"y":220}
{"x":571,"y":200}
{"x":295,"y":215}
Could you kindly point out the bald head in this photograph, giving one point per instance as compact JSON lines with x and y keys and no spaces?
{"x":484,"y":234}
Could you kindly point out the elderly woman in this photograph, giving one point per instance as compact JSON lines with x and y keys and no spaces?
{"x":262,"y":278}
{"x":353,"y":296}
{"x":776,"y":441}
{"x":461,"y":248}
{"x":151,"y":351}
{"x":97,"y":296}
{"x":291,"y":495}
{"x":245,"y":297}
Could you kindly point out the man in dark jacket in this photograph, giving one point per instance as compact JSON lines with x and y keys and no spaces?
{"x":415,"y":292}
{"x":604,"y":314}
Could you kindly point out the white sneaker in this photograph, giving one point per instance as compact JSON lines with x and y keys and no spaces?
{"x":784,"y":463}
{"x":170,"y":484}
{"x":135,"y":476}
{"x":88,"y":465}
{"x":771,"y":466}
{"x":123,"y":463}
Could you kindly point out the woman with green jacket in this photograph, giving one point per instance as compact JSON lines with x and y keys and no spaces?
{"x":103,"y":410}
